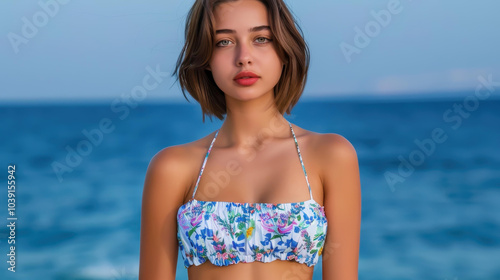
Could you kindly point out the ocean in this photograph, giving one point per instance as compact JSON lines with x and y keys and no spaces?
{"x":430,"y":181}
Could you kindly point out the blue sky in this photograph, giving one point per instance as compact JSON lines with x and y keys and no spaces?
{"x":100,"y":50}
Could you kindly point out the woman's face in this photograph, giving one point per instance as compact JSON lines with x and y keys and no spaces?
{"x":238,"y":48}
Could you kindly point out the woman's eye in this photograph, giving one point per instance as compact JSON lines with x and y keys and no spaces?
{"x":264,"y":40}
{"x":221,"y":41}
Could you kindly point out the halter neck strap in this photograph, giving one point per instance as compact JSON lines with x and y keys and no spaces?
{"x":210,"y":149}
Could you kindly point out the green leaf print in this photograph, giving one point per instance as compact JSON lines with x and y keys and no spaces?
{"x":191,"y":231}
{"x":307,"y":240}
{"x":226,"y":225}
{"x":242,"y":226}
{"x":238,"y":235}
{"x":318,"y":235}
{"x":277,"y":236}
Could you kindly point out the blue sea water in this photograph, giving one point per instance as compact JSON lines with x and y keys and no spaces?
{"x":429,"y":211}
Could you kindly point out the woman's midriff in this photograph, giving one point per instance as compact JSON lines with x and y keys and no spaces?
{"x":278,"y":269}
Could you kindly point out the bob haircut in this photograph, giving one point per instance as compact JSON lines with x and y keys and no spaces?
{"x":199,"y":44}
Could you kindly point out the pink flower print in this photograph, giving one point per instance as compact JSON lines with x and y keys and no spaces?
{"x":284,"y":230}
{"x":185,"y":225}
{"x":259,"y":256}
{"x":218,"y":248}
{"x":302,"y":233}
{"x":292,"y":257}
{"x":322,"y":210}
{"x":218,"y":255}
{"x":224,"y":256}
{"x":283,"y":226}
{"x":196,"y":220}
{"x":183,"y":212}
{"x":216,"y":239}
{"x":258,"y":207}
{"x":266,"y":222}
{"x":269,"y":205}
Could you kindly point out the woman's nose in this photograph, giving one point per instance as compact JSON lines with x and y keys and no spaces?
{"x":243,"y":54}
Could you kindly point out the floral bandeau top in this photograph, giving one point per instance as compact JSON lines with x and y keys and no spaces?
{"x":226,"y":233}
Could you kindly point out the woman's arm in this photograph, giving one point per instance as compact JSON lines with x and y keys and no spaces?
{"x":342,"y":192}
{"x":164,"y":190}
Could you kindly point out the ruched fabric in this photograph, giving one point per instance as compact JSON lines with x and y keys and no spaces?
{"x":226,"y":233}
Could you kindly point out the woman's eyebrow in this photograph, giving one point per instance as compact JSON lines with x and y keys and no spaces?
{"x":253,"y":29}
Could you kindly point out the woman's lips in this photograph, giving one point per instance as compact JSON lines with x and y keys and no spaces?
{"x":246,"y":81}
{"x":246,"y":78}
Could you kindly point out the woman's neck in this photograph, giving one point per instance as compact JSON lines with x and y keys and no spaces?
{"x":241,"y":129}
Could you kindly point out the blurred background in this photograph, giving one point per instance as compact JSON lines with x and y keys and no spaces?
{"x":413,"y":85}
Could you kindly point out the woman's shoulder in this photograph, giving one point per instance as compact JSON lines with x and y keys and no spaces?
{"x":182,"y":155}
{"x":328,"y":146}
{"x":175,"y":164}
{"x":323,"y":140}
{"x":333,"y":157}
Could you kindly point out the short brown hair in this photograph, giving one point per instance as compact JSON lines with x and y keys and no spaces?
{"x":199,"y":44}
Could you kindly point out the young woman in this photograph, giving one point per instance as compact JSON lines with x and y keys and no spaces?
{"x":255,"y":213}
